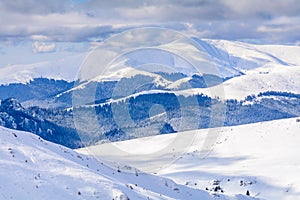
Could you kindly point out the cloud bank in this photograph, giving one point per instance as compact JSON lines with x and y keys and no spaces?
{"x":90,"y":20}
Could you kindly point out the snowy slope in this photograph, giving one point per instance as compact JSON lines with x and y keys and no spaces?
{"x":238,"y":54}
{"x":230,"y":57}
{"x":262,"y":158}
{"x":31,"y":168}
{"x":127,"y":72}
{"x":255,"y":68}
{"x":268,"y":78}
{"x":265,"y":68}
{"x":64,"y":69}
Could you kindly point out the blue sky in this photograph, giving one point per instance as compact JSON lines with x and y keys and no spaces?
{"x":35,"y":30}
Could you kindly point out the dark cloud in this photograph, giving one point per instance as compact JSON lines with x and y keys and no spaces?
{"x":34,"y":6}
{"x":265,"y":9}
{"x":85,"y":20}
{"x":202,"y":9}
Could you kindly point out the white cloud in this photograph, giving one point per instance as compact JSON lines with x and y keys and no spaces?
{"x":192,"y":31}
{"x":41,"y":47}
{"x":40,"y":37}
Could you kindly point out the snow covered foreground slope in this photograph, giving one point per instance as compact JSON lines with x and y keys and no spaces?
{"x":262,"y":158}
{"x":31,"y":168}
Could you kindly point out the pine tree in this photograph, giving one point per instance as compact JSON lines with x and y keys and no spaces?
{"x":248,"y":193}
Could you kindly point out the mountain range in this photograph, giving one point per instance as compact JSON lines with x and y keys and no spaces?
{"x":53,"y":123}
{"x":252,"y":80}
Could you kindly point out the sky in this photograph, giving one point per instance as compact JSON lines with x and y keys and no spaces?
{"x":37,"y":30}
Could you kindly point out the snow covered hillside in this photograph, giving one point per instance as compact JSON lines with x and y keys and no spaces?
{"x":142,"y":98}
{"x":261,"y":158}
{"x":265,"y":67}
{"x":271,"y":77}
{"x":63,"y":69}
{"x":32,"y":168}
{"x":254,"y":68}
{"x":253,"y":80}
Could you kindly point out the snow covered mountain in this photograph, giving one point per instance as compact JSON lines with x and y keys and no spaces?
{"x":254,"y":68}
{"x":252,"y":80}
{"x":258,"y":83}
{"x":63,"y":69}
{"x":32,"y":168}
{"x":261,"y":158}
